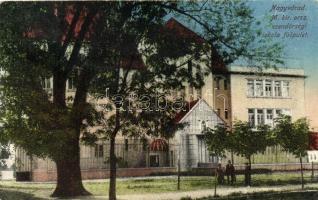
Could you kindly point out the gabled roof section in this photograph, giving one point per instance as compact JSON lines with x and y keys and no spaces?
{"x":217,"y":62}
{"x":188,"y":109}
{"x":183,"y":31}
{"x":191,"y":106}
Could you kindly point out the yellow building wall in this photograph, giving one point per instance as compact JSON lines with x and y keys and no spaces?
{"x":240,"y":102}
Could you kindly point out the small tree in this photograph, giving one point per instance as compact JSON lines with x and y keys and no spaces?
{"x":217,"y":141}
{"x":293,"y":137}
{"x":246,"y":141}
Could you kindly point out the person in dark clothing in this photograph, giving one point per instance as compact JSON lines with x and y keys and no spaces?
{"x":220,"y":174}
{"x":230,"y":172}
{"x":247,"y":174}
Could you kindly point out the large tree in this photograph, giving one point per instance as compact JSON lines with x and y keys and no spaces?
{"x":96,"y":44}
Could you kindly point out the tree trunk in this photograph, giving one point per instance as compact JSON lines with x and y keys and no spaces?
{"x":112,"y":178}
{"x":215,"y":182}
{"x":249,"y":172}
{"x":302,"y":173}
{"x":69,"y":179}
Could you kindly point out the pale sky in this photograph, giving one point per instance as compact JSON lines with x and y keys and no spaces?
{"x":300,"y":52}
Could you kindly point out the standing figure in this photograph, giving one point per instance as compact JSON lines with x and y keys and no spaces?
{"x":220,"y":174}
{"x":230,"y":172}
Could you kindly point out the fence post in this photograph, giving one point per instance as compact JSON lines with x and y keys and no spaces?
{"x":312,"y":171}
{"x":215,"y":181}
{"x":178,"y":173}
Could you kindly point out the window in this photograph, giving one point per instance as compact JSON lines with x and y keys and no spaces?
{"x":268,"y":88}
{"x":278,"y":89}
{"x":278,"y":112}
{"x":217,"y":83}
{"x":264,"y":116}
{"x":203,"y":126}
{"x":99,"y":151}
{"x":286,"y":112}
{"x":226,"y":114}
{"x":126,"y":144}
{"x":219,"y":112}
{"x":259,"y":88}
{"x":199,"y":93}
{"x":251,"y":117}
{"x":225,"y":84}
{"x":260,"y":117}
{"x":46,"y":83}
{"x":144,"y":143}
{"x":269,"y":117}
{"x":154,"y":160}
{"x":71,"y":83}
{"x":285,"y":89}
{"x":250,"y":88}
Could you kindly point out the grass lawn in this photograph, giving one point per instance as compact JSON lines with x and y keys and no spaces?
{"x":270,"y":195}
{"x":147,"y":185}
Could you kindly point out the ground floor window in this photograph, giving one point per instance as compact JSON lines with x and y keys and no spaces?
{"x":154,"y":160}
{"x":259,"y":116}
{"x":99,"y":151}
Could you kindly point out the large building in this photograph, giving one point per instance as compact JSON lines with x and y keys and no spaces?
{"x":258,"y":96}
{"x":229,"y":94}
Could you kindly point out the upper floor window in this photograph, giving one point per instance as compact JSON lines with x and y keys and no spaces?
{"x":278,"y":89}
{"x":259,"y":88}
{"x":225,"y":84}
{"x":217,"y":83}
{"x":250,"y":88}
{"x":267,"y":88}
{"x":285,"y":89}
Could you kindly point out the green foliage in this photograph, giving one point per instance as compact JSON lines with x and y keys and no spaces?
{"x":232,"y":28}
{"x":37,"y":42}
{"x":246,"y":141}
{"x":217,"y":140}
{"x":293,"y":136}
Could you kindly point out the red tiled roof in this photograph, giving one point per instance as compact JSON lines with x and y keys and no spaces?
{"x":159,"y":145}
{"x":181,"y":114}
{"x":130,"y":61}
{"x":182,"y":31}
{"x":218,"y":65}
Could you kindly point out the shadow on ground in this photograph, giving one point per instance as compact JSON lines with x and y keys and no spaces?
{"x":15,"y":195}
{"x":296,"y":195}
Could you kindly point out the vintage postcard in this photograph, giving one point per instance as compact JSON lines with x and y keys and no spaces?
{"x":159,"y":100}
